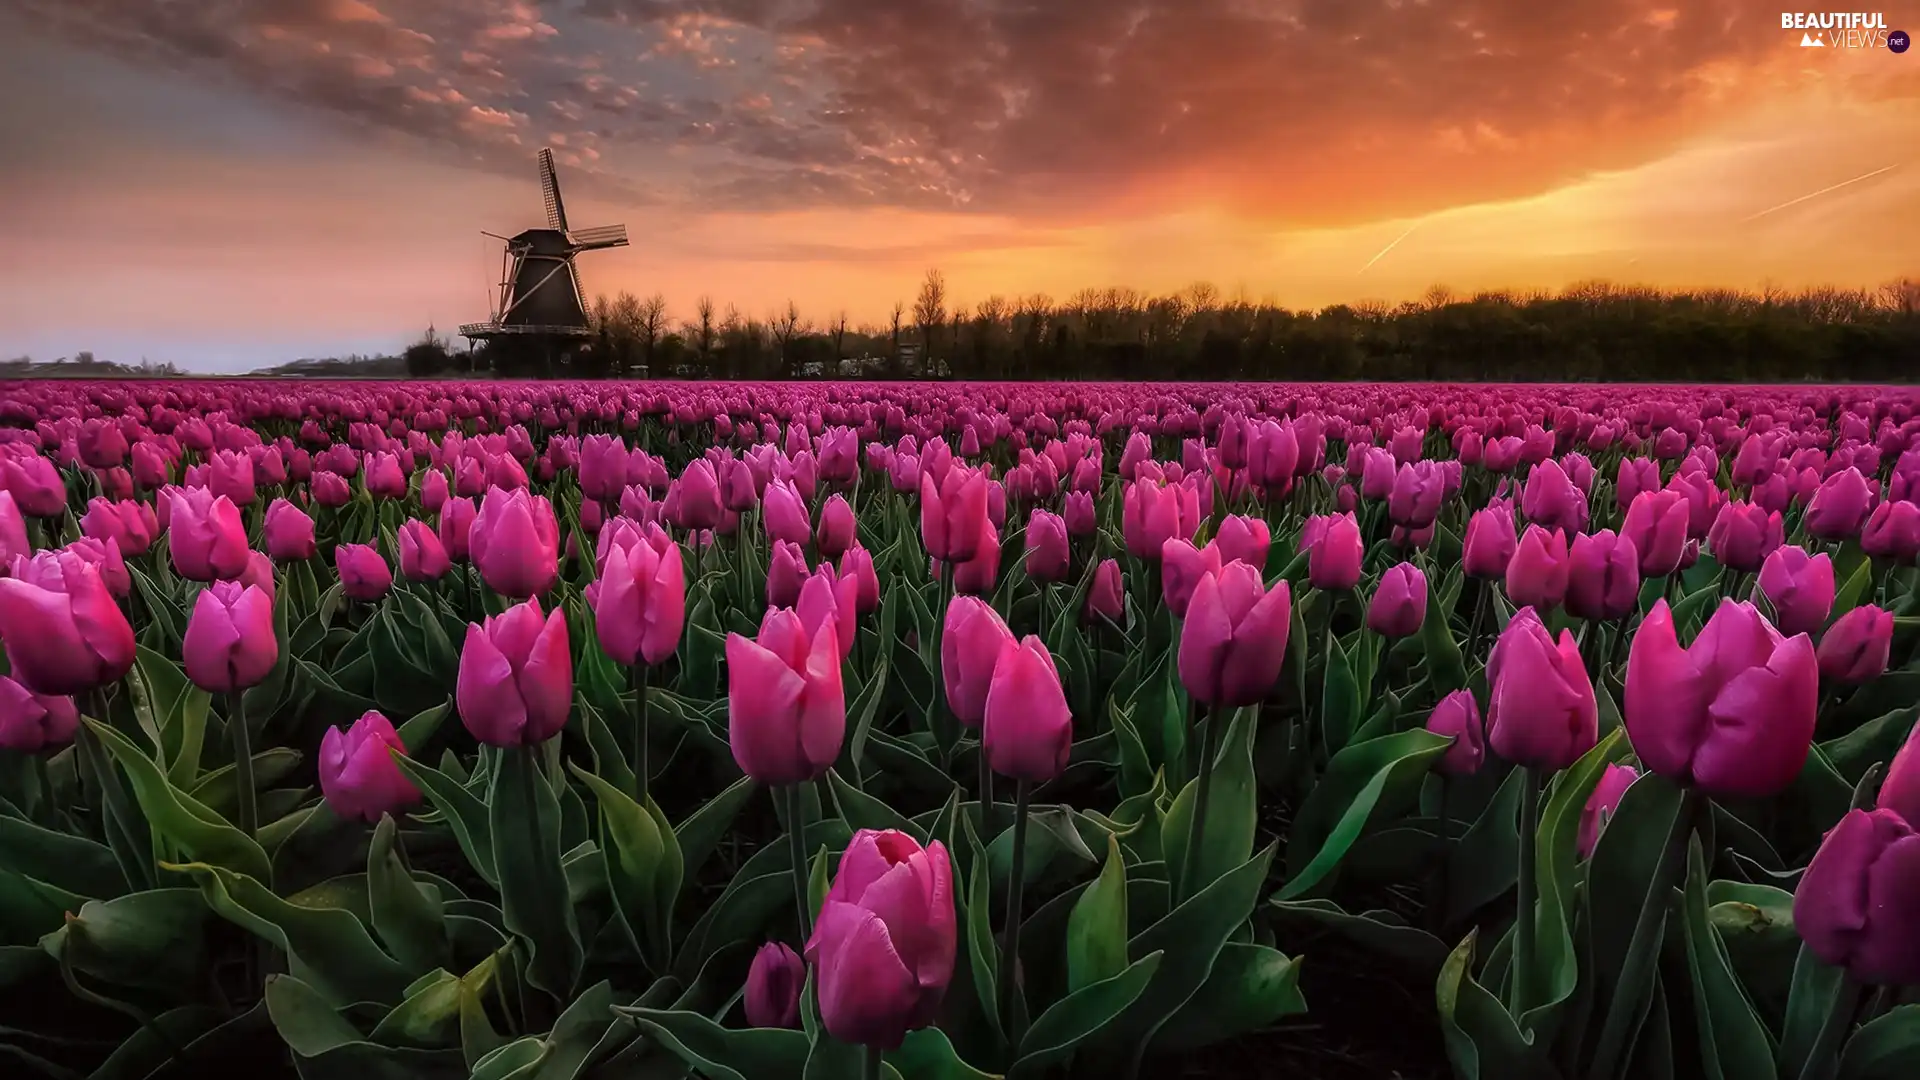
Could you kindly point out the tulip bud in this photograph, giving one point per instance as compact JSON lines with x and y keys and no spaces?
{"x":953,"y":514}
{"x":422,"y":558}
{"x":1149,"y":517}
{"x":836,"y":531}
{"x":1027,"y":730}
{"x":1606,"y":796}
{"x":31,"y":722}
{"x":774,"y":982}
{"x":1107,"y":597}
{"x":364,"y":575}
{"x":63,"y":633}
{"x":456,"y":527}
{"x":1731,"y":713}
{"x":1490,"y":542}
{"x":515,"y":685}
{"x":1840,"y":506}
{"x":1854,"y":904}
{"x":1079,"y":514}
{"x":1603,"y":576}
{"x":1893,"y":530}
{"x":1854,"y":649}
{"x":787,"y":713}
{"x":1245,"y":538}
{"x":1743,"y":535}
{"x":786,"y":572}
{"x":1182,"y":566}
{"x":857,"y":563}
{"x":358,"y":776}
{"x":1657,"y":524}
{"x":970,"y":645}
{"x":515,"y":543}
{"x":1458,"y":717}
{"x":1538,"y":573}
{"x":230,"y":643}
{"x":1399,"y":603}
{"x":1048,"y":553}
{"x":784,"y":514}
{"x":205,"y":536}
{"x":826,"y":598}
{"x":1541,"y":712}
{"x":289,"y":532}
{"x":640,"y":603}
{"x":882,"y":950}
{"x":1234,"y":639}
{"x":1335,"y":552}
{"x":1800,"y":588}
{"x":1900,"y":791}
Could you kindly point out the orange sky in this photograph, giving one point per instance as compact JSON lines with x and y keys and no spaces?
{"x":317,"y":183}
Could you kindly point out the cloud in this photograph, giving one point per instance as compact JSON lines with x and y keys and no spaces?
{"x":1305,"y":112}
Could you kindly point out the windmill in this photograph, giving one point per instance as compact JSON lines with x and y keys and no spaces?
{"x":541,"y":301}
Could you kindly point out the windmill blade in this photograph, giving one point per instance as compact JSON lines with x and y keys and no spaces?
{"x":599,"y":236}
{"x":550,"y":191}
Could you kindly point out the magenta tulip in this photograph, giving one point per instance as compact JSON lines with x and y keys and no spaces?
{"x":1854,"y":904}
{"x":358,"y":776}
{"x":1149,"y":517}
{"x":1840,"y":506}
{"x":1399,"y":602}
{"x":364,"y":575}
{"x":1743,"y":535}
{"x":1900,"y":791}
{"x":1182,"y":566}
{"x":63,"y":633}
{"x":1855,"y":648}
{"x":1538,"y":573}
{"x":787,"y":713}
{"x":1800,"y":588}
{"x":857,"y":563}
{"x":970,"y":646}
{"x":1606,"y":796}
{"x":456,"y":527}
{"x":31,"y":722}
{"x":836,"y":532}
{"x":1731,"y":713}
{"x":640,"y":603}
{"x":204,"y":535}
{"x":1892,"y":531}
{"x":786,"y":572}
{"x":1335,"y":552}
{"x":1234,"y":640}
{"x":515,"y":543}
{"x":1657,"y":524}
{"x":953,"y":514}
{"x":1107,"y":597}
{"x":1603,"y":576}
{"x":1245,"y":538}
{"x":1048,"y":552}
{"x":129,"y":524}
{"x":774,"y":981}
{"x":826,"y":598}
{"x":13,"y":532}
{"x":1541,"y":712}
{"x":515,"y":685}
{"x":784,"y":513}
{"x":230,"y":643}
{"x":1490,"y":543}
{"x":422,"y":557}
{"x":1027,"y":729}
{"x":289,"y":532}
{"x":883,"y":949}
{"x":1458,"y":717}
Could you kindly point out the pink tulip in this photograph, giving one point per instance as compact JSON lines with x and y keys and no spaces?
{"x":1048,"y":552}
{"x":129,"y":524}
{"x":970,"y":645}
{"x":1234,"y":640}
{"x":1840,"y":506}
{"x":1537,"y":575}
{"x":857,"y":563}
{"x":1490,"y":543}
{"x":1107,"y":597}
{"x":786,"y":572}
{"x":230,"y":643}
{"x":1732,"y":713}
{"x":63,"y":633}
{"x":1855,"y":648}
{"x":204,"y":535}
{"x":364,"y":575}
{"x":422,"y":556}
{"x":1800,"y":588}
{"x":515,"y":543}
{"x":515,"y":685}
{"x":1854,"y":904}
{"x":1743,"y":535}
{"x":289,"y":532}
{"x":456,"y":527}
{"x":331,"y":490}
{"x":774,"y":982}
{"x":1182,"y":566}
{"x":883,"y":948}
{"x":1606,"y":796}
{"x":1657,"y":524}
{"x":836,"y":532}
{"x":1027,"y":729}
{"x":1245,"y":538}
{"x":1335,"y":553}
{"x":1603,"y":576}
{"x":1541,"y":713}
{"x":31,"y":722}
{"x":13,"y":532}
{"x":784,"y":514}
{"x":34,"y":483}
{"x":825,"y":598}
{"x":1399,"y":602}
{"x":358,"y":776}
{"x":640,"y":603}
{"x":1458,"y":717}
{"x":787,"y":713}
{"x":953,"y":514}
{"x":1149,"y":517}
{"x":1892,"y":532}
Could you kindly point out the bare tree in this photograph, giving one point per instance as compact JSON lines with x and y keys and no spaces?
{"x":838,"y":331}
{"x":652,"y":327}
{"x":930,"y":313}
{"x":703,"y":331}
{"x":786,"y":326}
{"x":1902,"y":295}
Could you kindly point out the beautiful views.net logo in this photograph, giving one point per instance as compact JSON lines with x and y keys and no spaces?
{"x":1844,"y":30}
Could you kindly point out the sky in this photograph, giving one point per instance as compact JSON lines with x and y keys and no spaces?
{"x":228,"y":184}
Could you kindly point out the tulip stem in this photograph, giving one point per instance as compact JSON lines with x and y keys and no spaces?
{"x":986,"y":792}
{"x":1521,"y":985}
{"x":870,"y":1069}
{"x":1624,"y":1012}
{"x":797,"y":852}
{"x":637,"y":751}
{"x":1822,"y":1057}
{"x":1197,"y":825}
{"x":246,"y":809}
{"x":1016,"y":881}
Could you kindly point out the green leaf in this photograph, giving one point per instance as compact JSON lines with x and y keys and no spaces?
{"x":1483,"y":1042}
{"x":1619,"y":875}
{"x":69,"y":862}
{"x":1810,"y":1001}
{"x":422,"y":725}
{"x":1233,"y":811}
{"x":327,"y":948}
{"x":1250,"y":987}
{"x":524,"y":817}
{"x":862,"y":811}
{"x":927,"y":1055}
{"x":428,"y":1017}
{"x":405,"y":913}
{"x":1082,"y":1015}
{"x":517,"y":1060}
{"x":196,"y":831}
{"x":723,"y":1054}
{"x":172,"y":711}
{"x":1734,"y":1045}
{"x":1377,"y":931}
{"x":1485,"y":863}
{"x":465,"y":814}
{"x":1556,"y":846}
{"x":1340,"y":700}
{"x":643,"y":867}
{"x":1191,"y":936}
{"x":831,"y":1059}
{"x":983,"y":952}
{"x":1883,"y":1048}
{"x":1097,"y":926}
{"x":1376,"y":777}
{"x":154,"y":940}
{"x":1852,"y":591}
{"x":700,"y":833}
{"x":1446,"y":668}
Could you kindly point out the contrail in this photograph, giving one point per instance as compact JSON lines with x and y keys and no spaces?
{"x":1822,"y":191}
{"x":1389,"y":247}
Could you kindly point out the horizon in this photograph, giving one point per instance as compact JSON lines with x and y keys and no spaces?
{"x":241,"y":184}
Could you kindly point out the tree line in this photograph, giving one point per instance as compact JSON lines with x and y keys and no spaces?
{"x":1590,"y":331}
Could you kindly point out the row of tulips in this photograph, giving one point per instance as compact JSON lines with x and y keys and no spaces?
{"x":1071,"y":768}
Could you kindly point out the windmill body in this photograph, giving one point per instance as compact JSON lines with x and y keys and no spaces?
{"x":541,"y":300}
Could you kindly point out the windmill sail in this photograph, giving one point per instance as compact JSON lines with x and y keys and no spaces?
{"x":550,"y":191}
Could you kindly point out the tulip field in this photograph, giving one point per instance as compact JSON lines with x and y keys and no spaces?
{"x":799,"y":731}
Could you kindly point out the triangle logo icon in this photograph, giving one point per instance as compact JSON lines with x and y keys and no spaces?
{"x":1808,"y":41}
